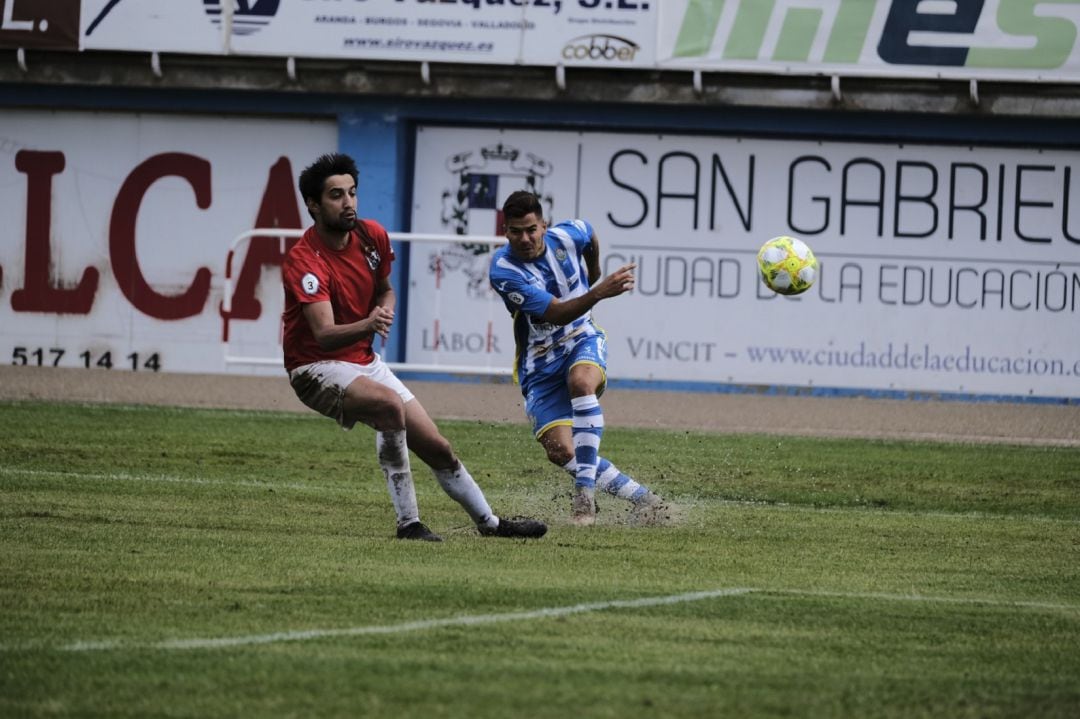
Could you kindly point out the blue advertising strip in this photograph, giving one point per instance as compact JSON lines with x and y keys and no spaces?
{"x":376,"y":142}
{"x":765,"y":390}
{"x":774,"y":390}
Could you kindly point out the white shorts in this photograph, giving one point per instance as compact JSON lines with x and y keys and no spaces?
{"x":321,"y":385}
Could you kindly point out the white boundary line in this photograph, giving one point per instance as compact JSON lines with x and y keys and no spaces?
{"x":467,"y":620}
{"x":545,"y":613}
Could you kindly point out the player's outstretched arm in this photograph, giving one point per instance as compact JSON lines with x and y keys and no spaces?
{"x":561,"y":312}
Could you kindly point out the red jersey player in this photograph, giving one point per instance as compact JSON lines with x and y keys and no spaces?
{"x":338,"y":296}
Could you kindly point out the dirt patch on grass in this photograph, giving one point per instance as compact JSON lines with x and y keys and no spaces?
{"x":1022,"y":423}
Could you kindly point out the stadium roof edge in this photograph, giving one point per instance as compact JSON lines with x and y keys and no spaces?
{"x":489,"y":82}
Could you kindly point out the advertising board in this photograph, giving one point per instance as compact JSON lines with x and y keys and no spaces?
{"x":615,"y":33}
{"x":945,"y":268}
{"x":114,"y":254}
{"x":1020,"y":40}
{"x":46,"y":24}
{"x":969,"y":39}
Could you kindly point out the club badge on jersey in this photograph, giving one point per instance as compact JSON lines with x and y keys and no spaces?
{"x":371,"y":252}
{"x":372,"y":256}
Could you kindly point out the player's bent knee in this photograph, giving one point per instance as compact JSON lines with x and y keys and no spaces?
{"x":558,"y":455}
{"x":443,"y":456}
{"x":376,"y":406}
{"x":585,"y":379}
{"x":557,"y":444}
{"x":389,"y":415}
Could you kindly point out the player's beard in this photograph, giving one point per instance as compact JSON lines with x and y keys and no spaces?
{"x":342,"y":223}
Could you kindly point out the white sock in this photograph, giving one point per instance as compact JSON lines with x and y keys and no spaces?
{"x":464,"y":490}
{"x":393,"y":456}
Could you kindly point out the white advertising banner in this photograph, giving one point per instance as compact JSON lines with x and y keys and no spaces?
{"x":184,"y":26}
{"x":113,"y":256}
{"x":614,"y":33}
{"x":990,"y":39}
{"x":610,"y":33}
{"x":1034,"y":40}
{"x":943,"y":268}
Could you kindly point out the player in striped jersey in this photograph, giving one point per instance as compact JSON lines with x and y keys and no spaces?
{"x":549,"y":280}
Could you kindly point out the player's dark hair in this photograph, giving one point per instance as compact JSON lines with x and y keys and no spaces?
{"x":313,"y":178}
{"x":521,"y":203}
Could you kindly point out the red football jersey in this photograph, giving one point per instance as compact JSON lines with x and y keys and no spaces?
{"x":313,"y":272}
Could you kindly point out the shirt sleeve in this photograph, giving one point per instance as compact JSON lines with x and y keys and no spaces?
{"x":520,"y":293}
{"x":580,"y":231}
{"x":306,"y":278}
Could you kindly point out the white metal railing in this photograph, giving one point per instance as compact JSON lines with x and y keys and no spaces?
{"x":284,"y":235}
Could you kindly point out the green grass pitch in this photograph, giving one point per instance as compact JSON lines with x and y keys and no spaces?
{"x":195,"y":563}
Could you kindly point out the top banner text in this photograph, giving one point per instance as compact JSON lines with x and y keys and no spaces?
{"x":1020,"y":40}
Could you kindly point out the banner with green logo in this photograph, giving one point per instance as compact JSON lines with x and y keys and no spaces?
{"x":1007,"y":40}
{"x":934,"y":39}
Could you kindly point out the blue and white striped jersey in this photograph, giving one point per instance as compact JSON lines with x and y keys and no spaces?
{"x":527,"y":288}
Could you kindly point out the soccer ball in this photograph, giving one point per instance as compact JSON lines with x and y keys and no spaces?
{"x":787,"y":265}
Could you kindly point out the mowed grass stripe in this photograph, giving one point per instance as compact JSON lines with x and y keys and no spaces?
{"x":683,"y":503}
{"x":468,"y":620}
{"x":165,"y":479}
{"x":543,"y":613}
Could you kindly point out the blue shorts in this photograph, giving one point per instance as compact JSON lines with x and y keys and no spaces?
{"x":547,"y":397}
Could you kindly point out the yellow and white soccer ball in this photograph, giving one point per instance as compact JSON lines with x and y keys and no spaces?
{"x":787,"y":265}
